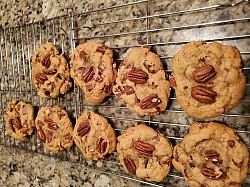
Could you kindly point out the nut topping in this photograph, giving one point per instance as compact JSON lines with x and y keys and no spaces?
{"x":128,"y":90}
{"x":83,"y":128}
{"x":231,"y":143}
{"x":138,"y":76}
{"x":144,"y":148}
{"x":40,"y":135}
{"x":83,"y":55}
{"x":46,"y":61}
{"x":107,"y":88}
{"x":101,"y":49}
{"x":213,"y":156}
{"x":203,"y":94}
{"x":50,"y":71}
{"x":51,"y":124}
{"x":49,"y":137}
{"x":209,"y":173}
{"x":147,"y":66}
{"x":150,"y":102}
{"x":88,"y":73}
{"x":101,"y":145}
{"x":204,"y":73}
{"x":130,"y":165}
{"x":17,"y":123}
{"x":40,"y":78}
{"x":172,"y":81}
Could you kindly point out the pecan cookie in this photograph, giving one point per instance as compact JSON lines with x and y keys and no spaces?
{"x":93,"y":70}
{"x":211,"y":154}
{"x":19,"y":118}
{"x":54,"y":128}
{"x":145,"y":153}
{"x":94,"y":136}
{"x":141,"y":82}
{"x":50,"y":72}
{"x":207,"y":78}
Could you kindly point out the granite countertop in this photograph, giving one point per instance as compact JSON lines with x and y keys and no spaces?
{"x":40,"y":168}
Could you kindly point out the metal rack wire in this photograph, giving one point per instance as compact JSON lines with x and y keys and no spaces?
{"x":131,"y":24}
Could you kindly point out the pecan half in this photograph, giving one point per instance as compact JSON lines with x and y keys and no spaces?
{"x":204,"y":73}
{"x":209,"y":173}
{"x":150,"y":102}
{"x":172,"y":81}
{"x":101,"y":49}
{"x":144,"y":148}
{"x":51,"y":124}
{"x":40,"y":78}
{"x":213,"y":156}
{"x":101,"y":145}
{"x":50,"y":71}
{"x":17,"y":123}
{"x":107,"y":88}
{"x":203,"y":94}
{"x":40,"y":134}
{"x":11,"y":125}
{"x":88,"y":73}
{"x":231,"y":143}
{"x":46,"y":61}
{"x":49,"y":137}
{"x":128,"y":90}
{"x":130,"y":165}
{"x":83,"y":55}
{"x":83,"y":128}
{"x":138,"y":76}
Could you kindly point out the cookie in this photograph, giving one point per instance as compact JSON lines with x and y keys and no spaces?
{"x":207,"y":78}
{"x":94,"y":136}
{"x":145,"y":153}
{"x":211,"y":154}
{"x":19,"y":118}
{"x":50,"y":72}
{"x":93,"y":70}
{"x":54,"y":128}
{"x":141,"y":82}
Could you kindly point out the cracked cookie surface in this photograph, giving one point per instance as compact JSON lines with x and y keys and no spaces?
{"x":94,"y":136}
{"x":207,"y":78}
{"x":211,"y":155}
{"x":54,"y":128}
{"x":50,"y":72}
{"x":93,"y":70}
{"x":145,"y":153}
{"x":141,"y":82}
{"x":19,"y":118}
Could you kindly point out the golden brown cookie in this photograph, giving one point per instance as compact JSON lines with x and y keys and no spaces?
{"x":141,"y":82}
{"x":211,"y":154}
{"x":145,"y":153}
{"x":93,"y":70}
{"x":94,"y":136}
{"x":207,"y":78}
{"x":50,"y":72}
{"x":19,"y":118}
{"x":54,"y":128}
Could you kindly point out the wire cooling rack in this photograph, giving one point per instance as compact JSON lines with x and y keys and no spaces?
{"x":165,"y":26}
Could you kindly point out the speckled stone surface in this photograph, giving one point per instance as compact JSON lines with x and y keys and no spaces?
{"x":35,"y":166}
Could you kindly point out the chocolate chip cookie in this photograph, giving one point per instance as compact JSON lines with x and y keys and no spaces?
{"x":19,"y":118}
{"x":93,"y":70}
{"x":145,"y":153}
{"x":207,"y":78}
{"x":211,"y":154}
{"x":50,"y":72}
{"x":54,"y":128}
{"x":94,"y":136}
{"x":141,"y":82}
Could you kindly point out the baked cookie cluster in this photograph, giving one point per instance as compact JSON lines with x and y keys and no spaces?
{"x":207,"y":79}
